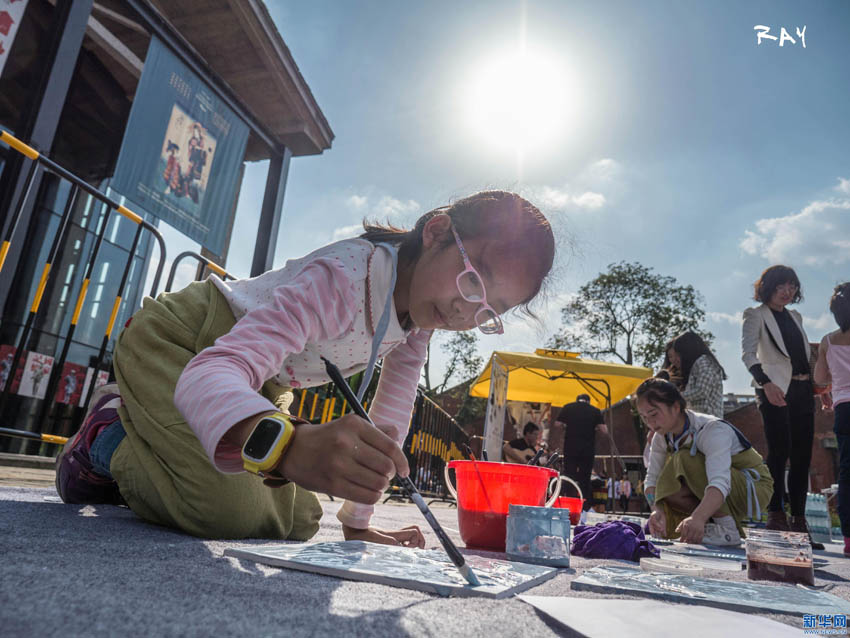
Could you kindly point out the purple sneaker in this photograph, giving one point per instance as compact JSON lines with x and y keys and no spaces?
{"x":76,"y":481}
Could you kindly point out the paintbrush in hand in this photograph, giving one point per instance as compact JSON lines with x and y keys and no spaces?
{"x":406,"y":483}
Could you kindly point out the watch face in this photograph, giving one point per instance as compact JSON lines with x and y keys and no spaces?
{"x":262,"y":439}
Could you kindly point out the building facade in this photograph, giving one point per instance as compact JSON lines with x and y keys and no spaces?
{"x":69,"y":77}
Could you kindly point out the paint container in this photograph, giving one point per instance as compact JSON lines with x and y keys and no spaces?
{"x":486,"y":490}
{"x":780,"y":556}
{"x":572,"y":504}
{"x":539,"y":535}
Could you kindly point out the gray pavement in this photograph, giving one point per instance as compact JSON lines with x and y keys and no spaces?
{"x":100,"y":571}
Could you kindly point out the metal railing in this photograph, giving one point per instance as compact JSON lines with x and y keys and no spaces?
{"x":433,"y":439}
{"x":55,"y":252}
{"x":218,"y":270}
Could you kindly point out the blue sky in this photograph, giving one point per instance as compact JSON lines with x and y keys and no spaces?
{"x":678,"y":141}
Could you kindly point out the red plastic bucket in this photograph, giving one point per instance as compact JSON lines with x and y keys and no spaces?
{"x":573,"y":504}
{"x":484,"y":492}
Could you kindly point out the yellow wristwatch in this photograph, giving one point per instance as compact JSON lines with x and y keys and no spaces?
{"x":268,"y":441}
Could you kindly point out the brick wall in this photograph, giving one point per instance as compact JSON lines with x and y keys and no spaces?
{"x":823,"y":469}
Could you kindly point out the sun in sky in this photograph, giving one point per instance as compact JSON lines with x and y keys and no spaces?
{"x":520,"y":100}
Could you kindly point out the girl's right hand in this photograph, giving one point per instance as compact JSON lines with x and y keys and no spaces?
{"x":658,"y":524}
{"x":774,"y":394}
{"x":347,"y":457}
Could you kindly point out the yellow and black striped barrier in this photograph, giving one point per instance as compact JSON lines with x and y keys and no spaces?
{"x":218,"y":270}
{"x":34,"y":436}
{"x":55,"y":253}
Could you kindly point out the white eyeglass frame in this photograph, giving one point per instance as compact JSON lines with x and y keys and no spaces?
{"x":468,"y":267}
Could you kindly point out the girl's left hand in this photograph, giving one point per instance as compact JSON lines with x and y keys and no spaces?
{"x":407,"y":537}
{"x":692,"y":530}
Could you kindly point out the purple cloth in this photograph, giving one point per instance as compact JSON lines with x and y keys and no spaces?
{"x":612,"y":539}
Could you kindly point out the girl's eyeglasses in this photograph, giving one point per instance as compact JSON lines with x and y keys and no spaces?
{"x":471,"y":288}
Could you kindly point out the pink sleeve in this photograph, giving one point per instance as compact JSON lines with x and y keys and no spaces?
{"x":393,"y":405}
{"x":219,"y":387}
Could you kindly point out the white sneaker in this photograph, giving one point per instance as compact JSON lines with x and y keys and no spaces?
{"x":722,"y":532}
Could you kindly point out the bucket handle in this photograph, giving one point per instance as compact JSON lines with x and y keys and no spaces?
{"x":574,"y":484}
{"x":556,"y":492}
{"x":448,"y":482}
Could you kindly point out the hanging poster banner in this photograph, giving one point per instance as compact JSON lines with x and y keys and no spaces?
{"x":494,"y":418}
{"x":182,"y":151}
{"x":101,"y":379}
{"x":71,"y":381}
{"x":7,"y":356}
{"x":35,"y":376}
{"x":11,"y":12}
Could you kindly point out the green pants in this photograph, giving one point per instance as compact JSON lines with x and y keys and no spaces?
{"x":162,"y":471}
{"x":683,"y":469}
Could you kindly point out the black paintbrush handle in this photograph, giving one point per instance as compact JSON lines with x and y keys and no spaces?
{"x":406,"y":483}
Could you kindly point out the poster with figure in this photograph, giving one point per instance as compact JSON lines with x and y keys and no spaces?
{"x":11,"y":14}
{"x":182,"y":151}
{"x":494,"y":418}
{"x":71,"y":383}
{"x":186,"y":156}
{"x":36,"y":375}
{"x":101,"y":379}
{"x":7,"y":355}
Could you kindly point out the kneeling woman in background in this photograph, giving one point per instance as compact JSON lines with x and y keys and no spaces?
{"x":704,"y":476}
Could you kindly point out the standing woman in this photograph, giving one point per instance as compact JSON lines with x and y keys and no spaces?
{"x":699,"y":374}
{"x":776,"y":352}
{"x":833,"y":367}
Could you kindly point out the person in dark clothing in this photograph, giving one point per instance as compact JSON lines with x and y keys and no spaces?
{"x":581,"y":421}
{"x":776,"y":351}
{"x":523,"y":449}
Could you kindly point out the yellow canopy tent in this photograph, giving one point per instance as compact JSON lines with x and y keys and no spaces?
{"x":557,"y":377}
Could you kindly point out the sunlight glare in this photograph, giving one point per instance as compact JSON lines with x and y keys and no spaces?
{"x":520,"y":101}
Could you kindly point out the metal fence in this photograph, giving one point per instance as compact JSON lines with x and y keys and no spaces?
{"x":49,"y":413}
{"x":433,"y":439}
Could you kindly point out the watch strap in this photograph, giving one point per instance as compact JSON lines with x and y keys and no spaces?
{"x":263,"y":468}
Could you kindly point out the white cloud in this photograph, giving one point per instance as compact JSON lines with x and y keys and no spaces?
{"x":734,"y":318}
{"x":818,"y":325}
{"x":843,"y":186}
{"x":381,"y":207}
{"x":378,"y":208}
{"x":391,"y":207}
{"x":605,"y":168}
{"x":555,"y":199}
{"x":817,"y":235}
{"x":357,"y":202}
{"x":346,"y":232}
{"x":590,"y":201}
{"x":580,"y":193}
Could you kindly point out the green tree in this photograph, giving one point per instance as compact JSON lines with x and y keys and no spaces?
{"x":629,"y":313}
{"x":464,"y":363}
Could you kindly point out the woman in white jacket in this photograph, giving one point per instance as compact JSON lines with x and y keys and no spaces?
{"x":776,"y":352}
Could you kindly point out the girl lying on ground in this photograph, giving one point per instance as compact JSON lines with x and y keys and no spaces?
{"x":195,"y":434}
